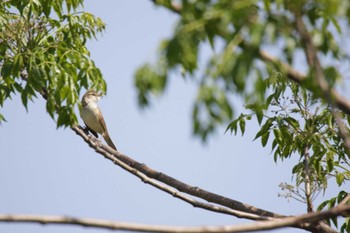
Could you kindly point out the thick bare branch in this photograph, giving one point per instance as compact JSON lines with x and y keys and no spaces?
{"x":148,"y":175}
{"x":113,"y":225}
{"x":126,"y":163}
{"x":144,"y":172}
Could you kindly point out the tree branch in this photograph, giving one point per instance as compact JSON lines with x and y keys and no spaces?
{"x":337,"y":99}
{"x":148,"y":175}
{"x":145,"y":173}
{"x":343,"y":130}
{"x":127,"y":164}
{"x":311,"y":54}
{"x":341,"y":209}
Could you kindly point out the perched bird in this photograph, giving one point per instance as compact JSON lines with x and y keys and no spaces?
{"x":93,"y":118}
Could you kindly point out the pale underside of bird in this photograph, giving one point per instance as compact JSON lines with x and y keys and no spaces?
{"x":93,"y":118}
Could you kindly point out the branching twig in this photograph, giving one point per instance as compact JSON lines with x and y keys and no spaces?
{"x":343,"y":131}
{"x":340,"y":101}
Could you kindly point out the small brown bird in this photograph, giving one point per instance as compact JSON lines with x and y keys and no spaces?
{"x":93,"y":118}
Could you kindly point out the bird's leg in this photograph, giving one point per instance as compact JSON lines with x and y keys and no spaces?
{"x":86,"y":130}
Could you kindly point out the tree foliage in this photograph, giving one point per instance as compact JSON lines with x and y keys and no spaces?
{"x":297,"y":118}
{"x":43,"y":50}
{"x":237,"y":30}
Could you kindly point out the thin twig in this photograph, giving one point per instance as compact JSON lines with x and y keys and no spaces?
{"x":343,"y":130}
{"x":114,"y":225}
{"x":307,"y":179}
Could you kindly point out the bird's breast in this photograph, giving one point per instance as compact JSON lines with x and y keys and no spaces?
{"x":89,"y":114}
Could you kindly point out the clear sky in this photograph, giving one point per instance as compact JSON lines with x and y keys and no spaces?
{"x":48,"y":171}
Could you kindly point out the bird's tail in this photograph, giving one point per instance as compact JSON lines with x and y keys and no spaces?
{"x":109,"y":140}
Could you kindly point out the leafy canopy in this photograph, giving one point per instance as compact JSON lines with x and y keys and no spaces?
{"x":43,"y":50}
{"x":297,"y":118}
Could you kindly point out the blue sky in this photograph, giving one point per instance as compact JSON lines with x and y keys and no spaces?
{"x":49,"y":171}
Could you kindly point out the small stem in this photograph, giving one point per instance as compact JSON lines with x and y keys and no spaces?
{"x":307,"y":180}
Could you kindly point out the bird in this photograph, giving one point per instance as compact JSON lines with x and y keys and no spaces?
{"x":93,"y":118}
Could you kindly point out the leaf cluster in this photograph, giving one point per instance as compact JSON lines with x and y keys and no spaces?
{"x":43,"y":50}
{"x":332,"y":203}
{"x":301,"y":126}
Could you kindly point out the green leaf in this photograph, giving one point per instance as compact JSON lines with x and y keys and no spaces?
{"x":278,"y":135}
{"x":232,"y":126}
{"x":17,"y":63}
{"x":274,"y":144}
{"x":50,"y":106}
{"x":24,"y":97}
{"x":335,"y":221}
{"x":6,"y":69}
{"x":332,"y":202}
{"x":265,"y":138}
{"x":293,"y":122}
{"x":265,"y":128}
{"x":346,"y":226}
{"x":242,"y":125}
{"x":2,"y":118}
{"x":339,"y":178}
{"x":322,"y":205}
{"x":341,"y":195}
{"x":259,"y":114}
{"x":330,"y":162}
{"x":336,"y":24}
{"x":297,"y":168}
